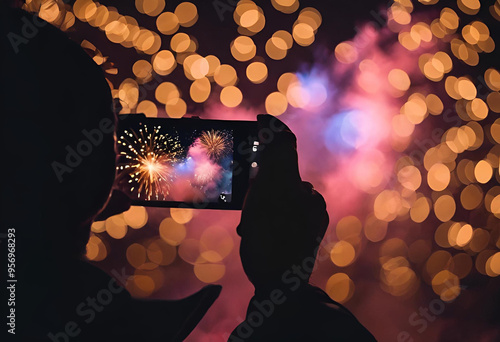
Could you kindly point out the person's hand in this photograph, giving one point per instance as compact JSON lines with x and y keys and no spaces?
{"x":117,"y":203}
{"x":283,"y":218}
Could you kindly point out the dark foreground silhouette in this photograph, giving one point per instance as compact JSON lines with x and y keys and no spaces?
{"x":282,"y":223}
{"x":59,"y":162}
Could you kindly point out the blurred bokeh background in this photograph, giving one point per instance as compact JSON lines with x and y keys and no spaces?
{"x":396,"y":109}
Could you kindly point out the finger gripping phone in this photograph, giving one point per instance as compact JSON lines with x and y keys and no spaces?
{"x":187,"y":162}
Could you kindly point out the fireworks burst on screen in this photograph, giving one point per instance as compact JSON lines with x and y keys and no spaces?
{"x":216,"y":143}
{"x":149,"y":158}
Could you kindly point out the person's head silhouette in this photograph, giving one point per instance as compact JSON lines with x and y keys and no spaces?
{"x":59,"y":162}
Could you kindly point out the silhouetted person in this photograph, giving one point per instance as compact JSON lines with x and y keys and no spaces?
{"x":58,"y":164}
{"x":282,"y":223}
{"x":54,"y":99}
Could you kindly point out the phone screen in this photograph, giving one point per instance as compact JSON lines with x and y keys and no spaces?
{"x":193,"y":162}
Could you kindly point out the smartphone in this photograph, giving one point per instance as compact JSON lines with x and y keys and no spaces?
{"x":187,"y":162}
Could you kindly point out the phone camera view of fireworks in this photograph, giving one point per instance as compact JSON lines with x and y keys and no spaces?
{"x":217,"y":143}
{"x":148,"y":161}
{"x":156,"y":165}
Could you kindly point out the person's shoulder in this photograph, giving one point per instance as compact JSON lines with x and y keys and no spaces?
{"x":334,"y":319}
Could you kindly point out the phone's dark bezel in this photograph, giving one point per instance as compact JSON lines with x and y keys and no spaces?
{"x":244,"y":134}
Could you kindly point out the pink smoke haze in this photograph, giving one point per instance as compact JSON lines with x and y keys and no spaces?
{"x":346,"y":168}
{"x":199,"y":176}
{"x":346,"y":145}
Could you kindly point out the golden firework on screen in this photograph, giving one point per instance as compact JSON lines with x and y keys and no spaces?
{"x":148,"y":161}
{"x":216,"y":143}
